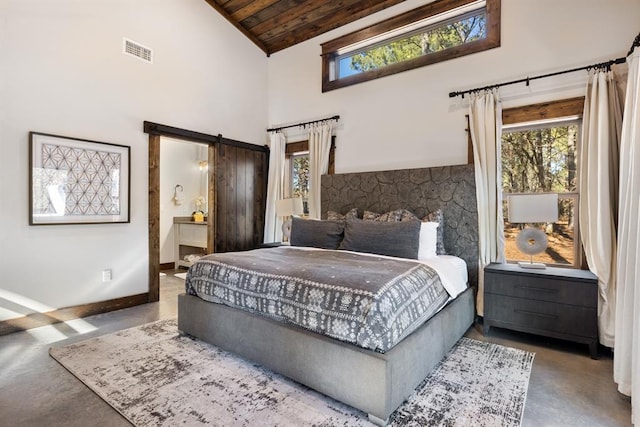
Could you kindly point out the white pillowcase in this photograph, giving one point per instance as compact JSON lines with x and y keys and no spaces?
{"x":428,"y":240}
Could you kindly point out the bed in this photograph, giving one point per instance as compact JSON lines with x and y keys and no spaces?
{"x":375,"y":370}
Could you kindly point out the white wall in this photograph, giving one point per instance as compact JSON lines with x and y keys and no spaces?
{"x":407,"y":120}
{"x":62,"y":72}
{"x":178,"y":165}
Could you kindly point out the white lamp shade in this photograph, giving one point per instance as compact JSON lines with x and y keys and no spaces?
{"x":291,"y":206}
{"x":530,"y":208}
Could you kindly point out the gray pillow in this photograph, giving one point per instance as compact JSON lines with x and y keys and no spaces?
{"x":316,"y":233}
{"x":399,"y":239}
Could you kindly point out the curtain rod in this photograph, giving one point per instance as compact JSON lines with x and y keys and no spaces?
{"x":606,"y":64}
{"x":336,"y":118}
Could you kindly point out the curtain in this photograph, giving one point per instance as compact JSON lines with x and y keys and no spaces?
{"x":319,"y":148}
{"x":485,"y":125}
{"x":626,"y":361}
{"x":598,"y":185}
{"x":275,"y":188}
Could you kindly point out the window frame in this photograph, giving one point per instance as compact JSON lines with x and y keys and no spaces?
{"x":330,"y":49}
{"x":535,"y":115}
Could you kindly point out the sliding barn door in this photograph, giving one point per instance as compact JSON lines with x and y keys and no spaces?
{"x":241,"y":189}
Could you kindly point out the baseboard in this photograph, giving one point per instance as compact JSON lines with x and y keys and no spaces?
{"x":36,"y":320}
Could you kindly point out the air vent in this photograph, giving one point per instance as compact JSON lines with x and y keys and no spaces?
{"x":139,"y":51}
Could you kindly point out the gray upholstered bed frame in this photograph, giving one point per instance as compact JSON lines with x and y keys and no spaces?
{"x":372,"y":382}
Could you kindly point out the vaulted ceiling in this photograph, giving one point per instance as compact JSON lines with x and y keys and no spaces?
{"x":274,"y":25}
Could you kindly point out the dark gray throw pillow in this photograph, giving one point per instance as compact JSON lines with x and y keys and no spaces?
{"x":316,"y":233}
{"x":399,"y":239}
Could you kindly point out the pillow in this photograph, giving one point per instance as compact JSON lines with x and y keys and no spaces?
{"x":335,"y":216}
{"x":398,"y":239}
{"x":316,"y":233}
{"x":428,"y":240}
{"x":438,"y":216}
{"x":391,"y":216}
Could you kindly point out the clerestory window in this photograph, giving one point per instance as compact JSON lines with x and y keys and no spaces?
{"x":435,"y":32}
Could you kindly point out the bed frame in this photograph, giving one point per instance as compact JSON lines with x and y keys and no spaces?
{"x":369,"y":381}
{"x":372,"y":382}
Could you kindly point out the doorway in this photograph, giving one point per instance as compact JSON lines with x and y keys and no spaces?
{"x":157,"y":230}
{"x":236,"y":194}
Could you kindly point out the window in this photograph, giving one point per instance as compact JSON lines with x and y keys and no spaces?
{"x":436,"y":32}
{"x":297,"y":158}
{"x":299,"y":163}
{"x":541,"y":157}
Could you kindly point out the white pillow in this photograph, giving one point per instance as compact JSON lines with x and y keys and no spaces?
{"x":428,"y":240}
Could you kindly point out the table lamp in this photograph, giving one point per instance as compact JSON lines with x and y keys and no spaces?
{"x":532,"y":208}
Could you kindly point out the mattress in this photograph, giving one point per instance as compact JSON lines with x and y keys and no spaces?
{"x":368,"y":300}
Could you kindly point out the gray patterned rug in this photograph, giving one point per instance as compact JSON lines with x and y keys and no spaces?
{"x":153,"y":375}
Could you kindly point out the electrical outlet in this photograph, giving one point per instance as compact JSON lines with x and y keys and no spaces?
{"x":106,"y":275}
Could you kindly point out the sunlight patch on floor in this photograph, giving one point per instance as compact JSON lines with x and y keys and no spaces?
{"x":61,"y":331}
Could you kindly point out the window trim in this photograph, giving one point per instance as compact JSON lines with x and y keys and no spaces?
{"x":529,"y":115}
{"x":330,"y":49}
{"x":543,"y":111}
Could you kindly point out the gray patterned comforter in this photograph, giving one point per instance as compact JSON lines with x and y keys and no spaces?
{"x":373,"y":302}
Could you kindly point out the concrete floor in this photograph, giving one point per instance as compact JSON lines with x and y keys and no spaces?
{"x":567,"y":388}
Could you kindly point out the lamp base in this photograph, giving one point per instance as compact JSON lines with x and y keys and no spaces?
{"x":534,"y":265}
{"x":286,"y":229}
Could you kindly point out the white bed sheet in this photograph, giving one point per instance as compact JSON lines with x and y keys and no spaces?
{"x":452,"y":271}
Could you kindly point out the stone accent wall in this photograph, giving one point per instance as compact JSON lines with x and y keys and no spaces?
{"x":421,"y":191}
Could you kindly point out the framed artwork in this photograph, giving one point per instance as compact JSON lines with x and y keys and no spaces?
{"x":76,"y":181}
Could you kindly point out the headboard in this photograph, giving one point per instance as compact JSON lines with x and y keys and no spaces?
{"x":421,"y":191}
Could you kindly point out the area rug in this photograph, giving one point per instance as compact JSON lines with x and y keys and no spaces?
{"x":182,"y":276}
{"x":153,"y":375}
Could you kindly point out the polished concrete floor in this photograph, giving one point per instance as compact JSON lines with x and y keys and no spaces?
{"x":567,"y":388}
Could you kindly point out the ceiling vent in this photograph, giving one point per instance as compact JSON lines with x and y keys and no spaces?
{"x":139,"y":51}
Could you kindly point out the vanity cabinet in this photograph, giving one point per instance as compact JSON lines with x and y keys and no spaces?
{"x":190,"y":238}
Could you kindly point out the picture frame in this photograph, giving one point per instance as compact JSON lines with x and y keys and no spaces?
{"x":77,"y":181}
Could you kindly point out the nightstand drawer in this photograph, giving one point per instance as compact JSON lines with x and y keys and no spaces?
{"x":550,"y":289}
{"x":538,"y":317}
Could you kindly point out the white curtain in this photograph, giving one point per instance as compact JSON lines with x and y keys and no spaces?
{"x":598,"y":185}
{"x":626,"y":361}
{"x":275,"y":188}
{"x":319,"y":148}
{"x":485,"y":125}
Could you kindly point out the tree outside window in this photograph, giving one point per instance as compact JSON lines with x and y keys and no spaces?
{"x":427,"y":41}
{"x":300,"y":178}
{"x":542,"y":159}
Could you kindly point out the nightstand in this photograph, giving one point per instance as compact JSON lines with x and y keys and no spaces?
{"x":272,"y":245}
{"x":554,"y":302}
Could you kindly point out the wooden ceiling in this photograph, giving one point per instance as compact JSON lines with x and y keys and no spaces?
{"x":274,"y":25}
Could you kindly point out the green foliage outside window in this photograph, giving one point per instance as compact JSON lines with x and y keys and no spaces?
{"x":300,"y":176}
{"x":540,"y":160}
{"x":409,"y":47}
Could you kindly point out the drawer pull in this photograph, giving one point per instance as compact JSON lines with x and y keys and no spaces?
{"x":531,"y":288}
{"x":532,"y":313}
